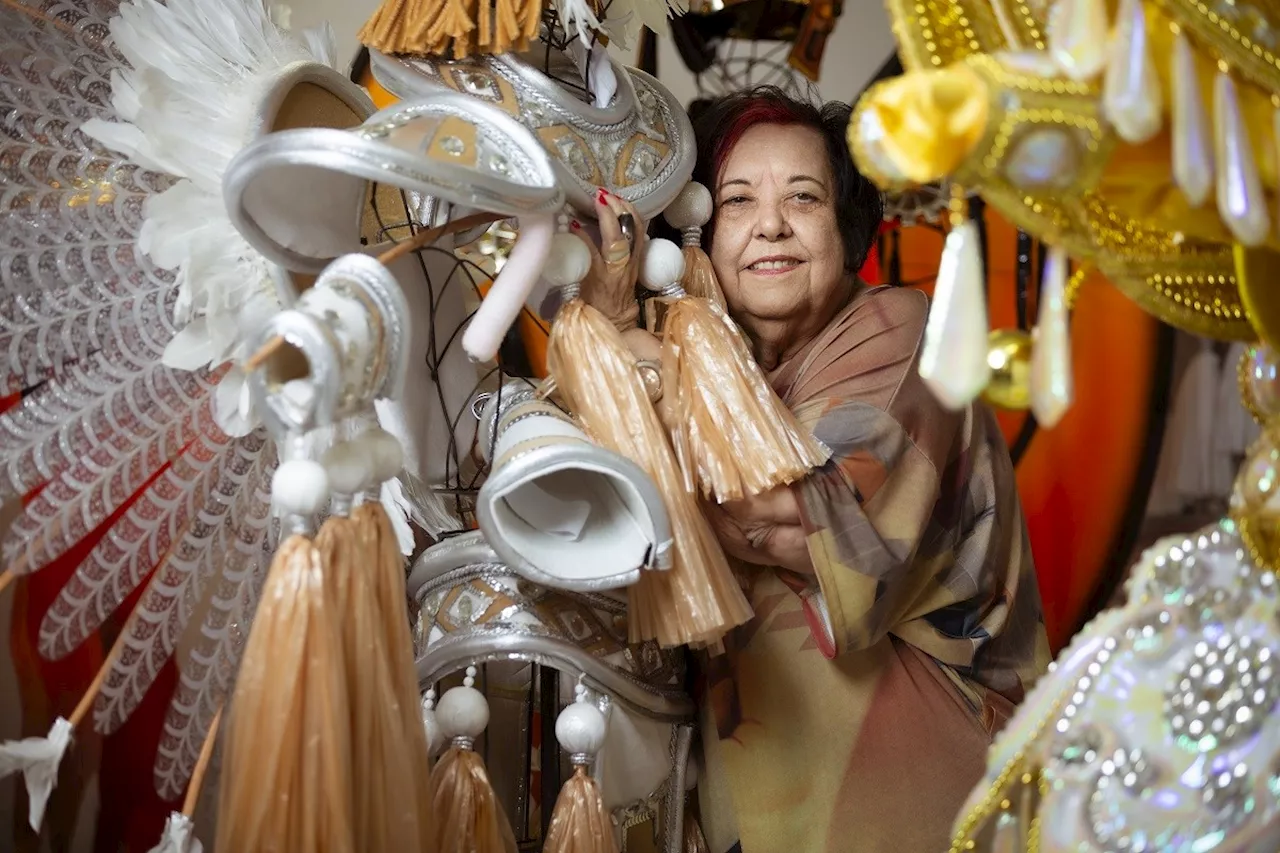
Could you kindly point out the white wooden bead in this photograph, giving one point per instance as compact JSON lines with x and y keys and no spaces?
{"x":462,"y":712}
{"x":691,"y":209}
{"x":568,"y":262}
{"x":300,"y":487}
{"x":580,"y":728}
{"x":663,"y":265}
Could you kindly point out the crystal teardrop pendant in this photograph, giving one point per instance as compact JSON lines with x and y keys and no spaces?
{"x":953,"y":360}
{"x":1077,"y":33}
{"x":1131,"y":90}
{"x":1241,"y":204}
{"x":1051,"y":384}
{"x":1192,"y":156}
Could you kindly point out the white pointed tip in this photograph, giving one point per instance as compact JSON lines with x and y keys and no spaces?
{"x":179,"y":836}
{"x":37,"y":759}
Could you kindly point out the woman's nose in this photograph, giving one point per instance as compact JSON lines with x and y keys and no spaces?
{"x":771,"y":224}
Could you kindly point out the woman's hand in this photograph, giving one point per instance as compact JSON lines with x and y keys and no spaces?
{"x":610,"y":285}
{"x":764,"y":530}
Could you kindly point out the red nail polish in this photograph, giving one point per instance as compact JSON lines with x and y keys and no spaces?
{"x":575,"y":225}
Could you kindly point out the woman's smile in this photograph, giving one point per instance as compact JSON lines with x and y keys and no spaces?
{"x":774,"y":265}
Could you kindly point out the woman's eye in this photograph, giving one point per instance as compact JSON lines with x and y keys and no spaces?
{"x":807,"y":198}
{"x":737,"y":199}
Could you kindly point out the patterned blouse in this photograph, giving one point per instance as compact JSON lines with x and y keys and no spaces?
{"x":855,"y":710}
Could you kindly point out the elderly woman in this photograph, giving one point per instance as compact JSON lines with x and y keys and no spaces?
{"x":897,"y":619}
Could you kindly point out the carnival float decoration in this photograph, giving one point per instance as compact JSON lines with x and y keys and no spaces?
{"x":1136,"y":139}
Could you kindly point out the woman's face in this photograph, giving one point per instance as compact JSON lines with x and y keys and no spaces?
{"x":776,"y":246}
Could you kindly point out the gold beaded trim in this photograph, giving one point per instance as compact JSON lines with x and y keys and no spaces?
{"x":936,"y":33}
{"x":1072,"y":290}
{"x":1186,"y":284}
{"x":1218,"y":29}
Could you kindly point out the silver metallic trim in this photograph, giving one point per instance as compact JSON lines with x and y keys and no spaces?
{"x":456,"y":652}
{"x":365,"y":154}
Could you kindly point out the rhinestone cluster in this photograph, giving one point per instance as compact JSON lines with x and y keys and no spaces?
{"x":1223,"y":694}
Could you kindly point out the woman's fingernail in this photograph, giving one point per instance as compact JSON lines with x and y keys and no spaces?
{"x":575,"y":225}
{"x":601,"y":195}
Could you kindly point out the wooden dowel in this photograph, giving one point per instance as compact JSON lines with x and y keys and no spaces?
{"x":202,"y":767}
{"x":86,"y":701}
{"x":7,"y":577}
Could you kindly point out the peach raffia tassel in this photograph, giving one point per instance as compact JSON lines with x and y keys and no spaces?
{"x":733,"y":436}
{"x":698,"y":600}
{"x":580,"y":822}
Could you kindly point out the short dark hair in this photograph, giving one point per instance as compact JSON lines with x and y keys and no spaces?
{"x":721,"y":124}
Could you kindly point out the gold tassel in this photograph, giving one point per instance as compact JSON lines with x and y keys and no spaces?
{"x":689,"y":213}
{"x":580,"y":823}
{"x":286,"y":783}
{"x":401,"y":26}
{"x":733,"y":437}
{"x":377,"y":539}
{"x":530,"y":14}
{"x":507,"y":25}
{"x":484,"y":24}
{"x":455,"y":24}
{"x":698,"y":600}
{"x":699,"y":279}
{"x":386,"y":809}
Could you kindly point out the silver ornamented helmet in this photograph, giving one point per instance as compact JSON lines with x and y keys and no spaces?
{"x":300,"y":196}
{"x":639,"y":145}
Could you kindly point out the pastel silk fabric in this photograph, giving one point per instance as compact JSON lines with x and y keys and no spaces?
{"x":854,"y":713}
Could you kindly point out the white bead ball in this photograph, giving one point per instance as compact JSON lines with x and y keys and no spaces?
{"x":663,"y":265}
{"x":568,"y":261}
{"x":300,"y":487}
{"x":349,"y":466}
{"x":691,"y":209}
{"x":462,"y":712}
{"x":580,"y":728}
{"x":387,"y":453}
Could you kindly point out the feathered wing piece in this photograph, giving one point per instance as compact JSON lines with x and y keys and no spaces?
{"x":124,"y":295}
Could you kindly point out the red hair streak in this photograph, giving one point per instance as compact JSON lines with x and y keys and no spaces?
{"x":757,"y":112}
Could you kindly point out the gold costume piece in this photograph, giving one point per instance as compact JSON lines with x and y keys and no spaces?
{"x":994,"y":101}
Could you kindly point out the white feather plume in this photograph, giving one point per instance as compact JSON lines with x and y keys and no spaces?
{"x":188,"y":105}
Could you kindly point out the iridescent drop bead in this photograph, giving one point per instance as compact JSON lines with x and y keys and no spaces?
{"x":1192,"y":154}
{"x":1131,"y":95}
{"x":1241,"y":204}
{"x":953,"y":360}
{"x":1052,"y":387}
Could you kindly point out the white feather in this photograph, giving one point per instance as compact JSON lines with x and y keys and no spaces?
{"x":188,"y":106}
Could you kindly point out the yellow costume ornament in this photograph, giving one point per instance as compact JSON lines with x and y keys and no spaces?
{"x":1140,"y":137}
